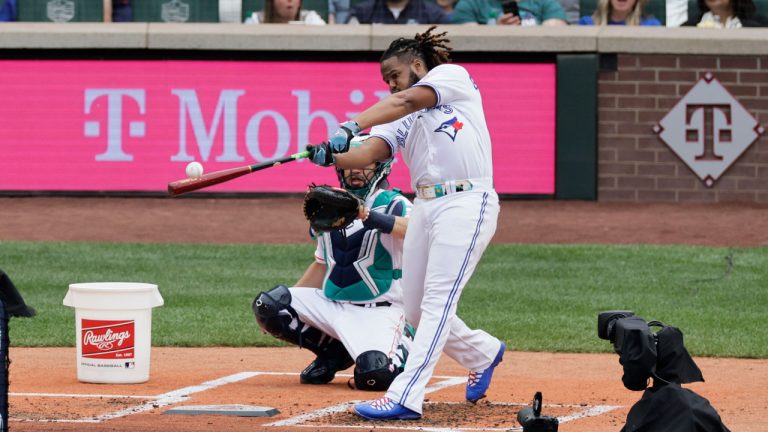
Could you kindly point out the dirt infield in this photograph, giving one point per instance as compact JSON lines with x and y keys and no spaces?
{"x":584,"y":387}
{"x":584,"y":390}
{"x":280,"y":220}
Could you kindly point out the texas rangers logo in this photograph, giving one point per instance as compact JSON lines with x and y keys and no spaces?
{"x":451,"y":128}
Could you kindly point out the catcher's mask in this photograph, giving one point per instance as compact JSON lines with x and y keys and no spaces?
{"x":373,"y":177}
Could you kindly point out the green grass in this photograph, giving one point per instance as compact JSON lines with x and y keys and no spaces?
{"x":535,"y":297}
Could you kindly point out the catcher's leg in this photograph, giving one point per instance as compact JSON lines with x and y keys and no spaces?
{"x":276,"y":316}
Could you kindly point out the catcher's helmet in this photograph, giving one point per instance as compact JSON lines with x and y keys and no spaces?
{"x":378,"y":178}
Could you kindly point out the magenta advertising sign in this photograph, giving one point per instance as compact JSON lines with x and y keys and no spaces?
{"x":114,"y":125}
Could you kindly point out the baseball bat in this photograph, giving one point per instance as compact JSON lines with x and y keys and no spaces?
{"x":179,"y":187}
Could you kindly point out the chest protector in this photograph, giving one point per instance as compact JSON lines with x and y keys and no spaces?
{"x":359,"y":266}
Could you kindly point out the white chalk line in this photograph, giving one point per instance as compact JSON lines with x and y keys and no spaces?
{"x":344,"y":406}
{"x":589,"y":411}
{"x":158,"y":401}
{"x":184,"y":393}
{"x":78,"y":395}
{"x":300,"y":420}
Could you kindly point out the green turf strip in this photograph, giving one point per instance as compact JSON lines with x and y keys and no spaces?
{"x":535,"y":297}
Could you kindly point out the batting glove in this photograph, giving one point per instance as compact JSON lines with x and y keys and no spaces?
{"x":339,"y":141}
{"x":321,"y":154}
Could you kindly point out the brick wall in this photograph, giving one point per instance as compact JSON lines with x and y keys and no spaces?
{"x":635,"y":165}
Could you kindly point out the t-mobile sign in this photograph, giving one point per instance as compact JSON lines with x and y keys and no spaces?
{"x":82,"y":125}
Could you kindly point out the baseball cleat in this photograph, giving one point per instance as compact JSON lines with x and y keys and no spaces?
{"x":479,"y":381}
{"x":385,"y":409}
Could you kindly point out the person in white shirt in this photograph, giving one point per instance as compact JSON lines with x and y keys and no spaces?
{"x":284,"y":12}
{"x":434,"y":118}
{"x":728,"y":14}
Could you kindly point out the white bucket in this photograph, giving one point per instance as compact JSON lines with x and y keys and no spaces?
{"x":113,"y":324}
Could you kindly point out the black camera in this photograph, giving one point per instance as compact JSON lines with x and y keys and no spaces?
{"x":531,"y":419}
{"x":665,"y":406}
{"x":635,"y":344}
{"x":510,"y":6}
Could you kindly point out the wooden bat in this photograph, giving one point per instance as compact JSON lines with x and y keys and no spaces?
{"x":179,"y":187}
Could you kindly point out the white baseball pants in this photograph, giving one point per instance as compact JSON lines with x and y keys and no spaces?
{"x":360,"y":329}
{"x":445,"y":239}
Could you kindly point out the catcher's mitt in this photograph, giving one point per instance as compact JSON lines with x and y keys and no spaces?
{"x":329,"y":208}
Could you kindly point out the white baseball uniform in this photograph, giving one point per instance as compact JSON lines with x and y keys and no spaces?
{"x":448,"y":152}
{"x":359,"y":275}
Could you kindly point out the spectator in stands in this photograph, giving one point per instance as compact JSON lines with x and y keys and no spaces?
{"x":230,"y":11}
{"x":620,"y":12}
{"x":338,"y":11}
{"x":447,"y":6}
{"x":572,"y":10}
{"x":677,"y":12}
{"x":532,"y":13}
{"x":283,"y":12}
{"x":398,"y":12}
{"x":728,"y":14}
{"x":7,"y":10}
{"x":118,"y":11}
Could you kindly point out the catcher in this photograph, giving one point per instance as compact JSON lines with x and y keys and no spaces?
{"x":347,"y":307}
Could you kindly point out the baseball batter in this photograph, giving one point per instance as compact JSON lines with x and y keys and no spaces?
{"x":348,"y":304}
{"x":434,"y":118}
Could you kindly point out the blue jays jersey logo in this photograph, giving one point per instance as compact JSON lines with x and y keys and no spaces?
{"x":451,"y":128}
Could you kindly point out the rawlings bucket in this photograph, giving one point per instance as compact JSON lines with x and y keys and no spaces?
{"x":113,"y":324}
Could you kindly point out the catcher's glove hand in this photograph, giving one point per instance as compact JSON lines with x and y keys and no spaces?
{"x":330,"y":208}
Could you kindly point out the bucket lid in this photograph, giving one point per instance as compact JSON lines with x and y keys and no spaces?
{"x":113,"y":295}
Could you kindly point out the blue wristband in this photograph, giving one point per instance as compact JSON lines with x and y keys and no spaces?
{"x":381,"y":221}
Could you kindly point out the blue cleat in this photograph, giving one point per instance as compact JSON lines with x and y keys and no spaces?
{"x":479,"y":381}
{"x":385,"y":409}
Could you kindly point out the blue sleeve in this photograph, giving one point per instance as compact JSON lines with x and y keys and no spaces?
{"x":586,"y":20}
{"x":8,"y":10}
{"x":651,"y":21}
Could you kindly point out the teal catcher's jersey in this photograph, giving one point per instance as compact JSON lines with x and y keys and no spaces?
{"x":363,"y":264}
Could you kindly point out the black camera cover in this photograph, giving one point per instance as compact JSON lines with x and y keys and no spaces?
{"x":636,"y":346}
{"x":675,"y":364}
{"x":671,"y":408}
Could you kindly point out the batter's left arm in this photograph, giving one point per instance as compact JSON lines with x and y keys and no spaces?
{"x":373,"y":149}
{"x":397,"y":106}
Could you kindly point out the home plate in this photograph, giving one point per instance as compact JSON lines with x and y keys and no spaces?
{"x":227,"y":410}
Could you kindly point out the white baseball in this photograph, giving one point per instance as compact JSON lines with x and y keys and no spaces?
{"x":194,"y":169}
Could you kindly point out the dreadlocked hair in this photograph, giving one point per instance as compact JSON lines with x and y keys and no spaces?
{"x":432,"y":48}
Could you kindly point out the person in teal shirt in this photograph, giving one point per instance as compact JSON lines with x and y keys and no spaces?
{"x":532,"y":13}
{"x":620,"y":12}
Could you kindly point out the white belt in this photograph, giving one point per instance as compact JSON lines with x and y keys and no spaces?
{"x":452,"y":186}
